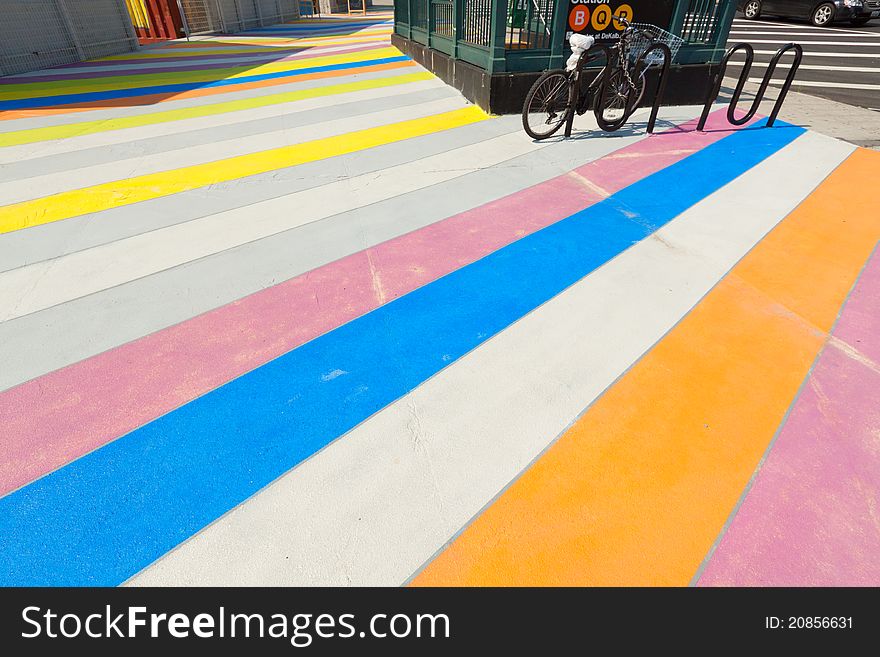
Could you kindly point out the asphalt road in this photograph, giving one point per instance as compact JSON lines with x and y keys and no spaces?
{"x":841,"y":63}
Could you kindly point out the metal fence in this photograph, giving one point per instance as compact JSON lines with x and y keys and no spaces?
{"x":476,"y":24}
{"x":202,"y":16}
{"x":702,"y":21}
{"x":704,"y":26}
{"x":497,"y":35}
{"x":206,"y":16}
{"x":529,"y":24}
{"x":38,"y":34}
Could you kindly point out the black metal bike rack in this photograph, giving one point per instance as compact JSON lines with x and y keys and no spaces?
{"x":715,"y":89}
{"x":661,"y":83}
{"x":602,"y":90}
{"x":576,"y":87}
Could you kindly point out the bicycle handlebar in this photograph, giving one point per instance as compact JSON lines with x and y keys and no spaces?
{"x":629,"y":26}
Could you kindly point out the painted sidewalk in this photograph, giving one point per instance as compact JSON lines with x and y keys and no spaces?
{"x":282,"y":308}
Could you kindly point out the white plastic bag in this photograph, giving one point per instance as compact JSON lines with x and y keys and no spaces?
{"x":580,"y":43}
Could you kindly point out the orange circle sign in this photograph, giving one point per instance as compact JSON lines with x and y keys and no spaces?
{"x":601,"y":17}
{"x":578,"y":18}
{"x":625,"y":11}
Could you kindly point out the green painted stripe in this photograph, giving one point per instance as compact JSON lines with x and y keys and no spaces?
{"x":35,"y":135}
{"x":130,"y":81}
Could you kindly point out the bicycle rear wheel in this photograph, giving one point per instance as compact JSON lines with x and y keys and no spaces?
{"x":546,"y":106}
{"x":616,"y":99}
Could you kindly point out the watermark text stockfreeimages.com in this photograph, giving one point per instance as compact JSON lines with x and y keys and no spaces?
{"x":300,"y":629}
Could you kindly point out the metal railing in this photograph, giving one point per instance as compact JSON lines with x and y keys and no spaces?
{"x":704,"y":26}
{"x":529,"y":24}
{"x":476,"y":23}
{"x":529,"y":35}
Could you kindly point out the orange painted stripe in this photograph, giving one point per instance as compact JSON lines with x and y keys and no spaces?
{"x":638,"y":489}
{"x":195,"y":93}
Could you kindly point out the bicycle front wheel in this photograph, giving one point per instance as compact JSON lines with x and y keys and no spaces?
{"x":546,"y":106}
{"x":616,"y":99}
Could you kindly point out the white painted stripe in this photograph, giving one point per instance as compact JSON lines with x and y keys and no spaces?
{"x":866,"y":35}
{"x":44,"y":284}
{"x":782,"y":27}
{"x":830,"y":85}
{"x":135,"y":66}
{"x":53,"y":183}
{"x":812,"y":55}
{"x":11,"y":154}
{"x":68,"y":118}
{"x":372,"y":507}
{"x":815,"y":67}
{"x":860,"y":44}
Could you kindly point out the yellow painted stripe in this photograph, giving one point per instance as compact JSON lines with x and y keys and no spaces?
{"x":638,"y":489}
{"x":106,"y":125}
{"x":253,"y":48}
{"x":130,"y":81}
{"x":143,"y":188}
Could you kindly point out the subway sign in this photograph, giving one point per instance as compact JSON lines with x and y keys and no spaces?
{"x":596,"y":17}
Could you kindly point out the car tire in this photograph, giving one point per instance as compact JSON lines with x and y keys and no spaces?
{"x":859,"y":22}
{"x":823,"y":15}
{"x":752,"y":10}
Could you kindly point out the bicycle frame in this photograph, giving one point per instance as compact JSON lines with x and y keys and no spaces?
{"x":576,"y":97}
{"x":616,"y":59}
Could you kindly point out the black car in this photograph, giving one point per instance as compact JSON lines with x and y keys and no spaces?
{"x":820,"y":12}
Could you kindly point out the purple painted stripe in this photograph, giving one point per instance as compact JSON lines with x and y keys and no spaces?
{"x":134,"y":60}
{"x":140,"y":70}
{"x":58,"y":417}
{"x":812,"y":517}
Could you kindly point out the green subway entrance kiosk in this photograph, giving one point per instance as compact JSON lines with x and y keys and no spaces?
{"x":492,"y":50}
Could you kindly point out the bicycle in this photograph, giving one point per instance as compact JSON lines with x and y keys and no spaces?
{"x":613,"y":94}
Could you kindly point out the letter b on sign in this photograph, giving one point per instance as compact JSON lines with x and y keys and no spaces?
{"x":578,"y":18}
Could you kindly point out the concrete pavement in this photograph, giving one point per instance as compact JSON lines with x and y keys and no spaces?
{"x":281,"y":308}
{"x":841,"y":62}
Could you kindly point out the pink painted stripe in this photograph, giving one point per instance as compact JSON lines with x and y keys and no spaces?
{"x":812,"y":517}
{"x":859,"y":324}
{"x":144,"y":67}
{"x":60,"y":416}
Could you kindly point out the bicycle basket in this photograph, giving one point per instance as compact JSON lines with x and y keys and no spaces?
{"x":639,"y":42}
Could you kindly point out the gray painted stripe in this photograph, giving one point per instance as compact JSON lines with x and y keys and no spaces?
{"x":89,"y":325}
{"x":88,"y":157}
{"x":63,"y":237}
{"x":257,"y":57}
{"x":138,"y":110}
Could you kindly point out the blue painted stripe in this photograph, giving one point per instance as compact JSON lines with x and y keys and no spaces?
{"x":67,"y":99}
{"x":109,"y":514}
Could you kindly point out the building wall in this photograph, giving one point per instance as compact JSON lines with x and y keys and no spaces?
{"x":38,"y":34}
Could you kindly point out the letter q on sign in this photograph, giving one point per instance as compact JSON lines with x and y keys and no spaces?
{"x":578,"y":18}
{"x":601,"y":17}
